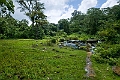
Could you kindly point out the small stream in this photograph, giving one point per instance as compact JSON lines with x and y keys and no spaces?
{"x":88,"y":68}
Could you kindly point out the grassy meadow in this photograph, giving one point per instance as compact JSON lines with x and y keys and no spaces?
{"x":34,"y":60}
{"x":25,"y":59}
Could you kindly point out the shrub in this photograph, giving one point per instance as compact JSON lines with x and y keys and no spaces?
{"x":99,"y":59}
{"x":115,"y":51}
{"x":72,"y":38}
{"x":53,"y":41}
{"x":48,"y":43}
{"x":112,"y":61}
{"x":108,"y":54}
{"x":62,"y":40}
{"x":2,"y":36}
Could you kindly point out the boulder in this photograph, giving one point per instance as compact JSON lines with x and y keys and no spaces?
{"x":116,"y":70}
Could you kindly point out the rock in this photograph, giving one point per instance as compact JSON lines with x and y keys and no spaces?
{"x":90,"y":71}
{"x":116,"y":70}
{"x":88,"y":60}
{"x":89,"y":54}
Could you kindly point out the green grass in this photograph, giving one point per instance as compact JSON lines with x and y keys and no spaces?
{"x":33,"y":60}
{"x":25,"y":59}
{"x":104,"y":71}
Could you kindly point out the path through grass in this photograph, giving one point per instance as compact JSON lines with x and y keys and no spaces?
{"x":34,"y":60}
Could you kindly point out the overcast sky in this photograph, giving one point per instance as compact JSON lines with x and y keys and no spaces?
{"x":62,"y":9}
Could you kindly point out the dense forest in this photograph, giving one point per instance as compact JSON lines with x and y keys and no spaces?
{"x":102,"y":24}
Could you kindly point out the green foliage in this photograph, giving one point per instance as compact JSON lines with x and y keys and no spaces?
{"x":73,"y":36}
{"x":108,"y":54}
{"x":53,"y":40}
{"x":61,"y":40}
{"x":64,"y":24}
{"x":115,"y":11}
{"x":77,"y":22}
{"x":35,"y":59}
{"x":102,"y":70}
{"x":34,"y":10}
{"x":110,"y":33}
{"x":95,"y":20}
{"x":94,"y":15}
{"x":11,"y":28}
{"x":2,"y":36}
{"x":6,"y":6}
{"x":49,"y":43}
{"x":84,"y":36}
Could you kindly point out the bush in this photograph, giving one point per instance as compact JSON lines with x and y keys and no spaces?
{"x":115,"y":51}
{"x":53,"y":41}
{"x":109,"y":51}
{"x":73,"y":36}
{"x":62,"y":40}
{"x":108,"y":54}
{"x":48,"y":43}
{"x":112,"y":61}
{"x":99,"y":59}
{"x":83,"y":48}
{"x":2,"y":36}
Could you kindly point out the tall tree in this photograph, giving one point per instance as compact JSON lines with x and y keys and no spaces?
{"x":34,"y":10}
{"x":94,"y":15}
{"x":23,"y":30}
{"x":76,"y":21}
{"x":64,"y":24}
{"x":8,"y":26}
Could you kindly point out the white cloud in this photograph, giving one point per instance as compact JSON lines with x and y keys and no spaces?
{"x":67,"y":13}
{"x":86,"y":4}
{"x":57,"y":9}
{"x":109,"y":3}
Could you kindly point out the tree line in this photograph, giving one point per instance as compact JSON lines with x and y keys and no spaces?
{"x":103,"y":23}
